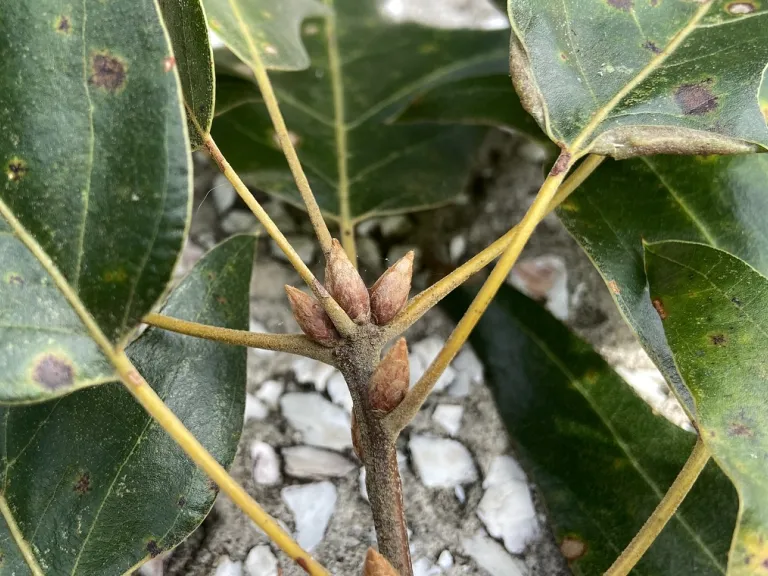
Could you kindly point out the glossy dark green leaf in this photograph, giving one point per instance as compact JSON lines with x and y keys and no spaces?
{"x":488,"y":101}
{"x":715,"y":313}
{"x":719,"y":201}
{"x":96,"y":185}
{"x":270,"y":27}
{"x":91,"y":483}
{"x":599,"y":457}
{"x":358,"y":164}
{"x":188,"y":30}
{"x":634,"y":77}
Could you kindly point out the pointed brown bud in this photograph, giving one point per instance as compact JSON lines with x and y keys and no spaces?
{"x":390,"y":380}
{"x":390,"y":293}
{"x":357,"y":442}
{"x":345,"y":285}
{"x":312,"y":319}
{"x":377,"y":565}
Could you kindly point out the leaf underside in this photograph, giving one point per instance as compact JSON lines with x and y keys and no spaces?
{"x":715,"y":309}
{"x":376,"y":67}
{"x":96,"y":174}
{"x":92,"y":482}
{"x":570,"y":58}
{"x":598,"y":455}
{"x":718,"y":201}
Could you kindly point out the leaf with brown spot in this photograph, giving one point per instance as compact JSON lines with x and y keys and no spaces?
{"x":729,"y":384}
{"x":95,"y":198}
{"x":93,"y":483}
{"x":600,"y":458}
{"x":642,"y":77}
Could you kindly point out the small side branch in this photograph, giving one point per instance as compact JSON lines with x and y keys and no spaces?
{"x":291,"y":343}
{"x":430,"y":297}
{"x":152,"y":403}
{"x":343,"y":323}
{"x":664,"y":511}
{"x":411,"y":404}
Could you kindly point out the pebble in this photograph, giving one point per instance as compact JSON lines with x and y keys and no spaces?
{"x":315,"y":463}
{"x":339,"y":391}
{"x":398,"y":225}
{"x":441,"y":462}
{"x":491,"y":557}
{"x":266,"y":464}
{"x":461,"y":495}
{"x":422,"y":355}
{"x":262,"y":562}
{"x":154,"y":567}
{"x":240,"y":222}
{"x":456,"y":248}
{"x":545,"y":279}
{"x":423,"y":567}
{"x":448,"y":416}
{"x":467,"y":362}
{"x":226,"y":567}
{"x":304,"y":247}
{"x":445,"y":560}
{"x":255,"y":409}
{"x":319,"y":422}
{"x":309,"y":371}
{"x":312,"y":506}
{"x":269,"y":393}
{"x":506,"y":508}
{"x":223,"y":193}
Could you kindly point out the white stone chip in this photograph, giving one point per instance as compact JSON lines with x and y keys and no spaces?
{"x":309,"y":371}
{"x":320,"y":422}
{"x":315,"y":463}
{"x":423,"y":567}
{"x":491,"y":556}
{"x":445,"y":560}
{"x":266,"y":464}
{"x":422,"y":355}
{"x":312,"y":506}
{"x":456,"y":248}
{"x":226,"y":567}
{"x":363,"y":487}
{"x":269,"y":392}
{"x":506,"y":508}
{"x":240,"y":221}
{"x":544,"y":278}
{"x":467,"y":362}
{"x":339,"y":391}
{"x":440,"y":462}
{"x":255,"y":408}
{"x":262,"y":562}
{"x":460,"y":493}
{"x":448,"y":416}
{"x":154,"y":567}
{"x":304,"y":246}
{"x":223,"y":193}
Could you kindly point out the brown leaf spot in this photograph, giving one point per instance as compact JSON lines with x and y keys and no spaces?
{"x":739,"y":8}
{"x":660,"y":309}
{"x":655,"y":3}
{"x":153,"y":549}
{"x":614,"y":287}
{"x":212,"y":486}
{"x":14,"y":279}
{"x":696,"y":99}
{"x":561,"y":165}
{"x":107,"y":72}
{"x":572,"y":548}
{"x":736,"y":301}
{"x":169,"y":63}
{"x":624,"y":5}
{"x":740,"y":429}
{"x":181,"y":502}
{"x":652,"y":47}
{"x":303,"y":563}
{"x":63,"y":25}
{"x":718,"y":339}
{"x":54,"y":372}
{"x":563,"y":57}
{"x":83,"y":483}
{"x":17,"y":169}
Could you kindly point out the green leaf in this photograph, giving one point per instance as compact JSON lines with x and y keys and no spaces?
{"x":95,"y":194}
{"x":598,"y":455}
{"x":718,"y":201}
{"x":635,"y":77}
{"x":90,"y":483}
{"x":188,"y":30}
{"x":364,"y":71}
{"x":715,"y":316}
{"x":487,"y":101}
{"x":270,"y":27}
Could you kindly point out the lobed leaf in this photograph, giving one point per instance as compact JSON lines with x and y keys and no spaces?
{"x":95,"y":200}
{"x":599,"y":457}
{"x":713,"y":306}
{"x":634,"y":77}
{"x":188,"y":30}
{"x":365,"y":69}
{"x":91,"y":484}
{"x":717,"y":201}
